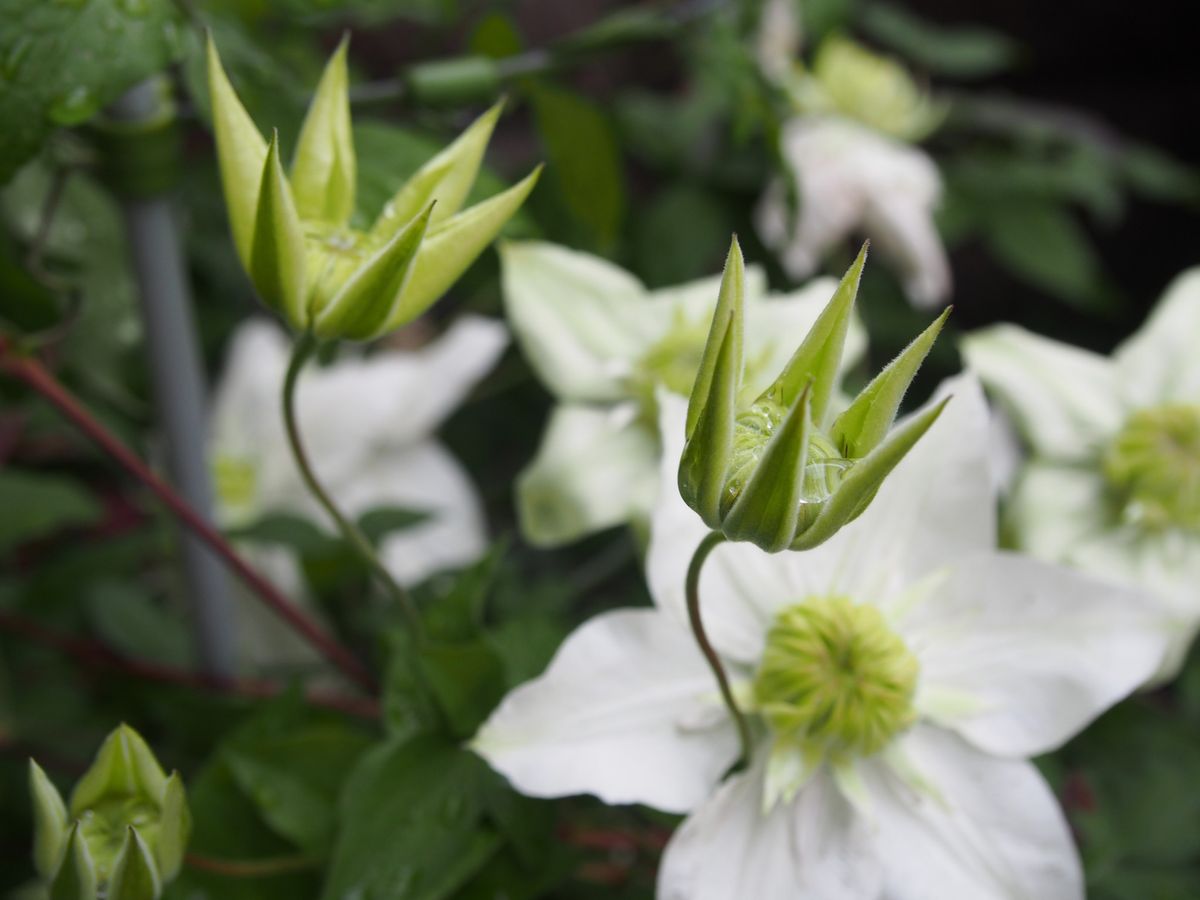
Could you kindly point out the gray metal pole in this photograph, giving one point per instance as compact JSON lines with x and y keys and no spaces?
{"x":179,"y":393}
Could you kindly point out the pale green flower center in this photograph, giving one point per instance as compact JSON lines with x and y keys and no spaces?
{"x":235,"y":481}
{"x":332,"y":254}
{"x":1153,"y":465}
{"x":752,"y":431}
{"x":104,"y":828}
{"x":835,"y":678}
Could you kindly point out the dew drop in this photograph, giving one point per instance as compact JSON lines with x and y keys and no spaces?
{"x":75,"y":106}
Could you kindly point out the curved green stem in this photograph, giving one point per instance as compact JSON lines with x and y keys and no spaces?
{"x":301,"y":351}
{"x":706,"y":547}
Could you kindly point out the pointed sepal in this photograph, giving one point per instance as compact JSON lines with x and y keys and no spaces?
{"x":241,"y":151}
{"x":277,"y":258}
{"x":446,"y":178}
{"x":174,"y":829}
{"x":859,"y":429}
{"x":767,"y":511}
{"x":324,"y":168}
{"x":862,"y":482}
{"x":76,"y":876}
{"x":124,"y":766}
{"x":818,"y":359}
{"x":50,"y":822}
{"x":449,"y":249}
{"x":135,"y":874}
{"x":729,"y":315}
{"x":706,"y":457}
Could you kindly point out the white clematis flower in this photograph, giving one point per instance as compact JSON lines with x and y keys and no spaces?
{"x":1113,"y":485}
{"x":368,"y":424}
{"x":850,"y":178}
{"x":898,"y":677}
{"x":603,"y":345}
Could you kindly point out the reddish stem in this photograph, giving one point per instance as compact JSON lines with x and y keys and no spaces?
{"x":33,"y":374}
{"x":94,"y":653}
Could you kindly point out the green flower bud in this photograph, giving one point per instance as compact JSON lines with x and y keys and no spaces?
{"x":130,"y":823}
{"x":292,"y":231}
{"x":850,"y":80}
{"x":774,"y":472}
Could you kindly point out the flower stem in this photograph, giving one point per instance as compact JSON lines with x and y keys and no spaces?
{"x":302,"y":350}
{"x":35,"y":376}
{"x":706,"y":547}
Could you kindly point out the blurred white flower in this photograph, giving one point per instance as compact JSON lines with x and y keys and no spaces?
{"x":777,"y":42}
{"x":1113,"y":486}
{"x":603,"y":344}
{"x":368,"y":425}
{"x":850,"y":178}
{"x":898,"y":677}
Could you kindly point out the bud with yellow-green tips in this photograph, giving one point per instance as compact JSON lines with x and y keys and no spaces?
{"x":292,"y":229}
{"x":783,"y":472}
{"x":124,"y":832}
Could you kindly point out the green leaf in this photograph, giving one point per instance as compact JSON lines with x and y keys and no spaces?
{"x":382,"y":521}
{"x":467,"y":680}
{"x":292,"y":763}
{"x":412,"y":823}
{"x":60,"y":63}
{"x":964,"y":52}
{"x":584,"y":161}
{"x":680,"y":235}
{"x":409,"y":707}
{"x":286,"y":530}
{"x":457,"y":615}
{"x":129,"y":619}
{"x":1044,"y":245}
{"x":34,"y":505}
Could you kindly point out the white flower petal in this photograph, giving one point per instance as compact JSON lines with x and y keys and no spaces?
{"x":813,"y":848}
{"x":953,"y":823}
{"x":245,"y":423}
{"x":422,"y":478}
{"x":352,"y":407}
{"x":596,"y":468}
{"x":1065,"y":400}
{"x":848,"y":177}
{"x":1041,"y":650}
{"x":615,"y":715}
{"x":1160,"y":363}
{"x":580,"y":319}
{"x":1054,"y":508}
